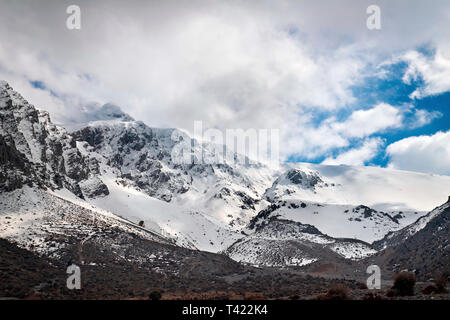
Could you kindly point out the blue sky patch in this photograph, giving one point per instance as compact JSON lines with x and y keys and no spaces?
{"x":390,"y":88}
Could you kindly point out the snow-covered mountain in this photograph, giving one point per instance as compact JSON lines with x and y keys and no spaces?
{"x":143,"y":158}
{"x":120,"y":168}
{"x":200,"y":205}
{"x":47,"y":223}
{"x":381,"y":189}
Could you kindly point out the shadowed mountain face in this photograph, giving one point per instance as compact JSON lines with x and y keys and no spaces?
{"x":424,"y":246}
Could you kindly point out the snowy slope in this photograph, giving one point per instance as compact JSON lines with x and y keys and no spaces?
{"x":354,"y":202}
{"x":379,"y":188}
{"x":423,"y":246}
{"x":146,"y":159}
{"x":230,"y":196}
{"x":37,"y":220}
{"x":190,"y":228}
{"x":285,"y":243}
{"x":339,"y":221}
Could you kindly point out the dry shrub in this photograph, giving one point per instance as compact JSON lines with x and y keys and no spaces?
{"x":254,"y":296}
{"x":441,"y":282}
{"x":362,"y":286}
{"x":155,"y":295}
{"x":430,"y":289}
{"x":337,"y":292}
{"x":391,"y":293}
{"x":373,"y":297}
{"x":404,"y":284}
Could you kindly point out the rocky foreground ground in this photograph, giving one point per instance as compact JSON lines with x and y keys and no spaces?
{"x":24,"y":275}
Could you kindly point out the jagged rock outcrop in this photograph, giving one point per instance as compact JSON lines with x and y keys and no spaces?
{"x":34,"y":151}
{"x":294,"y":182}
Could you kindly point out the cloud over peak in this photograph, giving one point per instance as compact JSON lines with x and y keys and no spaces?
{"x":291,"y":65}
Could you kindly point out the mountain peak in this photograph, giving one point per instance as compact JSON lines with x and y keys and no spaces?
{"x":3,"y":84}
{"x":95,"y":112}
{"x":9,"y":98}
{"x":108,"y":111}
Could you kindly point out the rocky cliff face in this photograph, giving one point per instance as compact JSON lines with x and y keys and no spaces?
{"x":34,"y":151}
{"x":423,"y":246}
{"x":140,"y":153}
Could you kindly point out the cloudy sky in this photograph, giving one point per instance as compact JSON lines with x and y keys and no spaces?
{"x":339,"y":92}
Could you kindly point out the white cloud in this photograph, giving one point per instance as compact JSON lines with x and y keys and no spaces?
{"x":363,"y":123}
{"x":433,"y":70}
{"x":231,"y":64}
{"x":169,"y":63}
{"x":358,"y":156}
{"x":311,"y":141}
{"x":423,"y":117}
{"x":430,"y":154}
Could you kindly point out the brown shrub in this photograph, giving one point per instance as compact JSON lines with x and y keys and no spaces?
{"x":391,"y":293}
{"x":404,"y":284}
{"x":254,"y":296}
{"x":337,"y":292}
{"x":155,"y":295}
{"x":362,"y":286}
{"x":441,"y":282}
{"x":429,"y":289}
{"x":373,"y":296}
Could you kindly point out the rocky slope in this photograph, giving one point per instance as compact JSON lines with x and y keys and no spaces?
{"x":395,"y":238}
{"x":422,"y":247}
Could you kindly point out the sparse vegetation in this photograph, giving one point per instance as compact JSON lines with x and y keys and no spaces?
{"x":373,"y":297}
{"x":430,"y":289}
{"x":155,"y":295}
{"x":441,"y":282}
{"x":362,"y":286}
{"x":336,"y":292}
{"x":254,"y":296}
{"x":403,"y":284}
